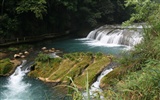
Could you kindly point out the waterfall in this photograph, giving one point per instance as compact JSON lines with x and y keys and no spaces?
{"x":16,"y":87}
{"x":95,"y":85}
{"x":117,"y":35}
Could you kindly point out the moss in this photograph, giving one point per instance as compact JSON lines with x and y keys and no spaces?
{"x":76,"y":70}
{"x":65,"y":66}
{"x":34,"y":73}
{"x":93,"y":71}
{"x":45,"y":69}
{"x":6,"y":66}
{"x":74,"y":65}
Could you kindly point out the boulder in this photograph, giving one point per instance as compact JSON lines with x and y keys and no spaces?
{"x":51,"y":51}
{"x":44,"y":48}
{"x":17,"y":56}
{"x":46,"y":51}
{"x":23,"y":56}
{"x":32,"y":67}
{"x":57,"y":50}
{"x":20,"y":53}
{"x":26,"y":52}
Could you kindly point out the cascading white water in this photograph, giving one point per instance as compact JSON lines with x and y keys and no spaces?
{"x":117,"y":35}
{"x":95,"y":85}
{"x":16,"y":87}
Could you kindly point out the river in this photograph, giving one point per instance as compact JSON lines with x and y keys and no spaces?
{"x":21,"y":87}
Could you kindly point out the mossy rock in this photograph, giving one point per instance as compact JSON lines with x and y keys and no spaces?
{"x":5,"y":67}
{"x":93,"y":71}
{"x":74,"y":65}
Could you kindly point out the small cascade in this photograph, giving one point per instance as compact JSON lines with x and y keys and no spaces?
{"x":16,"y":87}
{"x":95,"y":85}
{"x":117,"y":35}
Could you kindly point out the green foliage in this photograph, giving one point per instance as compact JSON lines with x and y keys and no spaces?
{"x":8,"y":26}
{"x":148,"y":11}
{"x":38,"y":7}
{"x":82,"y":95}
{"x":12,"y":49}
{"x":87,"y":88}
{"x":98,"y":55}
{"x":57,"y":60}
{"x":21,"y":18}
{"x":140,"y":85}
{"x":69,"y":56}
{"x":24,"y":46}
{"x":74,"y":56}
{"x":143,"y":62}
{"x":76,"y":95}
{"x":5,"y":66}
{"x":145,"y":10}
{"x":42,"y":57}
{"x":18,"y":48}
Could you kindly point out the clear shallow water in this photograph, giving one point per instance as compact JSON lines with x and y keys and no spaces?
{"x":32,"y":89}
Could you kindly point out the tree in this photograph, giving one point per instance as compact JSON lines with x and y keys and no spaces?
{"x":144,"y":10}
{"x":38,"y":7}
{"x":21,"y":18}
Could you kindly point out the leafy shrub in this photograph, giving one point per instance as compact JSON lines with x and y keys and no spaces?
{"x":43,"y":57}
{"x":12,"y":49}
{"x":57,"y":60}
{"x":98,"y":55}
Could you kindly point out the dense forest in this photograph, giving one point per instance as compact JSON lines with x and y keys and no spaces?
{"x":20,"y":18}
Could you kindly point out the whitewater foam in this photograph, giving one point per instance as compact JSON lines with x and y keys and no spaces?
{"x":16,"y":87}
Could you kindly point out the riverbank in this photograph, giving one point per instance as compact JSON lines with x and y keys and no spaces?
{"x":31,"y":39}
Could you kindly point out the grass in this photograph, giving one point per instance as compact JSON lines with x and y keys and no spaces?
{"x":140,"y":85}
{"x":143,"y":84}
